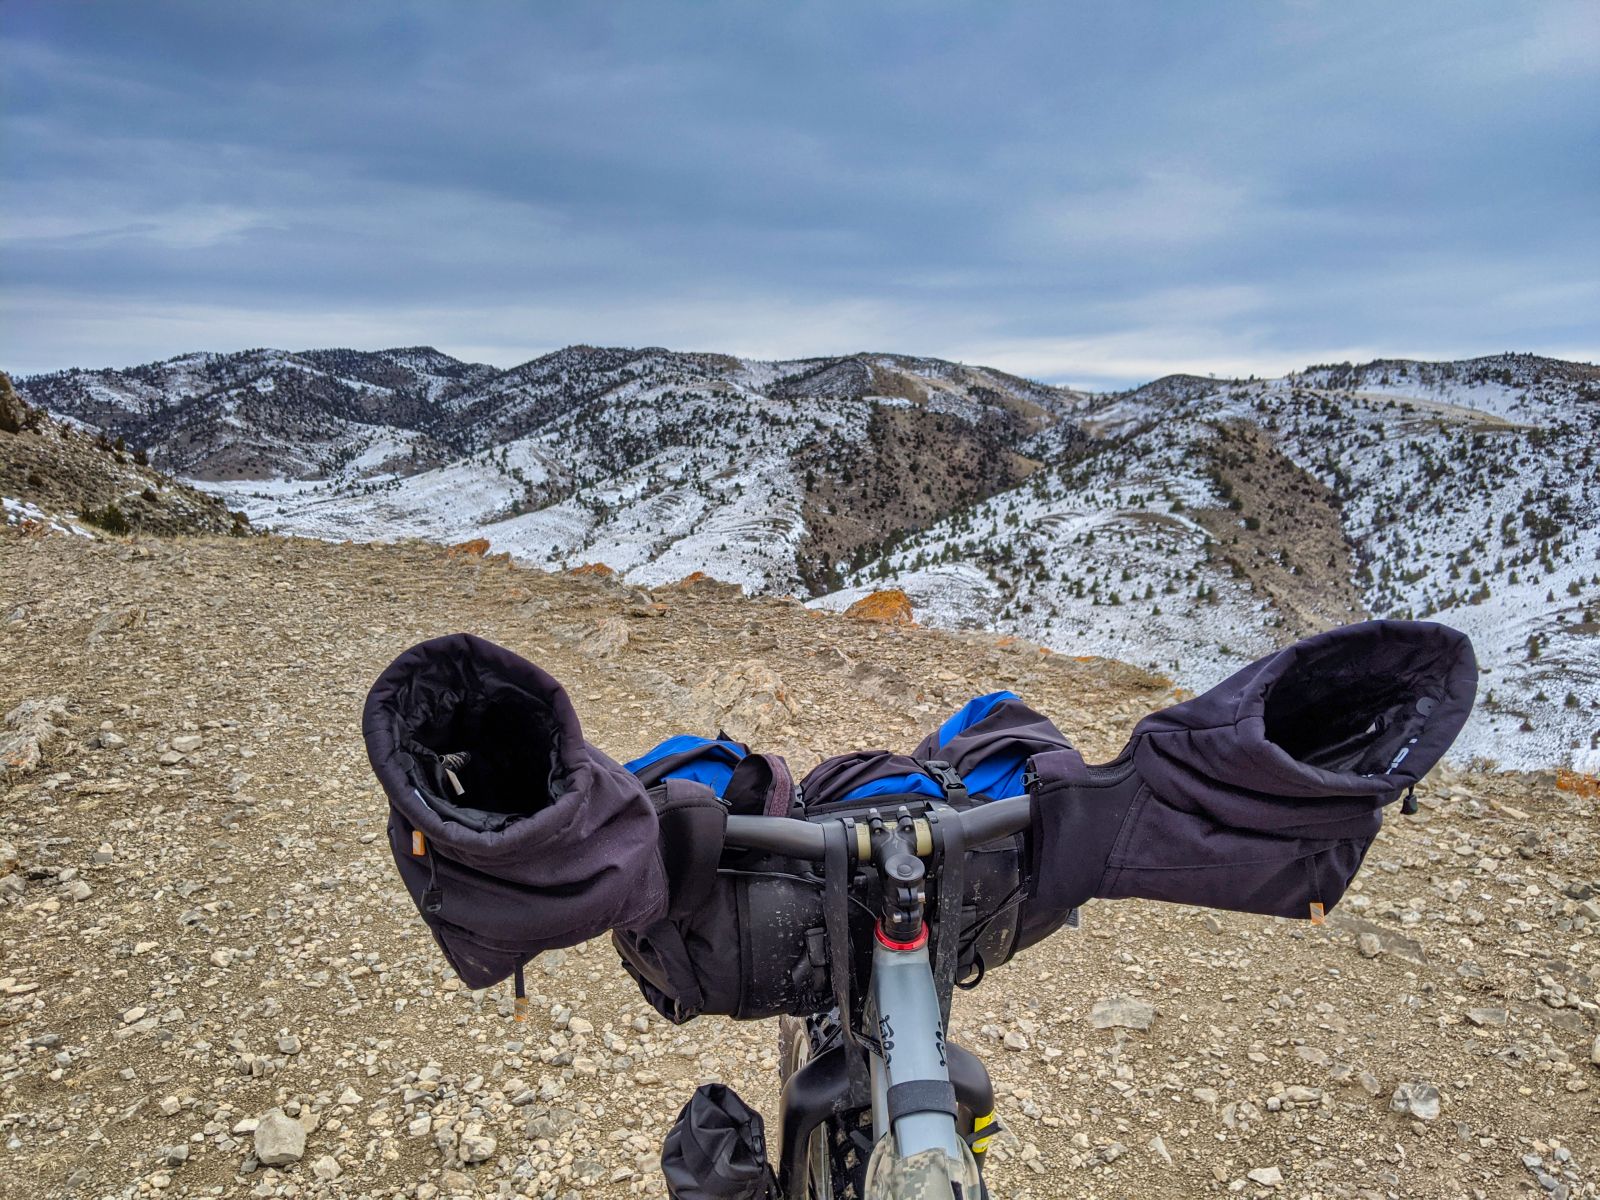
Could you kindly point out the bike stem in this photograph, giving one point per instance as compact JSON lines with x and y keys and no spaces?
{"x":911,"y":1091}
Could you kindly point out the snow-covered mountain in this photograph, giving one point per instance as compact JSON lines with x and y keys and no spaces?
{"x":1190,"y":525}
{"x":1209,"y":521}
{"x":768,"y":474}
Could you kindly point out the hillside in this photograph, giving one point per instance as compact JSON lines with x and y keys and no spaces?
{"x":1210,"y":520}
{"x":53,"y":475}
{"x":1187,"y":525}
{"x":657,"y":463}
{"x":203,"y":923}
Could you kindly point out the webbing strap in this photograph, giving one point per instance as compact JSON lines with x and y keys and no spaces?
{"x":519,"y":1003}
{"x":952,"y":847}
{"x":836,"y":921}
{"x":920,"y":1096}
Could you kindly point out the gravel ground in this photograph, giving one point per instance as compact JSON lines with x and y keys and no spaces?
{"x":213,"y":985}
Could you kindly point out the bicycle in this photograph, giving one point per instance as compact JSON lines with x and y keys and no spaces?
{"x":929,"y":1103}
{"x":514,"y":835}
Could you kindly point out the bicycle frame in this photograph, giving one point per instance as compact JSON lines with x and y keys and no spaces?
{"x":919,"y":1081}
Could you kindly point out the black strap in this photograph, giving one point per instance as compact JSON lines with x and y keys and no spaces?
{"x":950,"y":842}
{"x":836,"y":920}
{"x":692,"y":826}
{"x":433,"y":897}
{"x":955,"y":788}
{"x":988,"y":1131}
{"x":519,"y":993}
{"x":920,"y":1096}
{"x":966,"y":985}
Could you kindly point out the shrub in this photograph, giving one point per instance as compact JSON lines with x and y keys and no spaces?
{"x":110,"y":518}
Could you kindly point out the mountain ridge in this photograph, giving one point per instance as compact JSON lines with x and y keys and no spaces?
{"x":1185,"y":525}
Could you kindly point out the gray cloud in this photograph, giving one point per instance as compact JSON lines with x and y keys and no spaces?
{"x":1093,"y":194}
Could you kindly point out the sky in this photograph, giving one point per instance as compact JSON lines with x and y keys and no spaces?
{"x":1088,"y":193}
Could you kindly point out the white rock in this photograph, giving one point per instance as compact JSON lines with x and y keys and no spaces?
{"x":579,"y":1025}
{"x":1014,"y":1041}
{"x":1121,"y":1012}
{"x":1266,"y":1176}
{"x":187,"y":743}
{"x":280,"y":1139}
{"x":326,"y":1168}
{"x":1420,"y":1100}
{"x":477,"y":1147}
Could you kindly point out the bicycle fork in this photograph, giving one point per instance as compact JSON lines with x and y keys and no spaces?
{"x":918,"y":1059}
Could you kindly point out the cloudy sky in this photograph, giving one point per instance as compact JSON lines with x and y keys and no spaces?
{"x":1090,"y":192}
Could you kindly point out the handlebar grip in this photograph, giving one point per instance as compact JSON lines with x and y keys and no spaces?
{"x":776,"y":835}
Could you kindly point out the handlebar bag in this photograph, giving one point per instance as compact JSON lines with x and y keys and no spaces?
{"x":989,"y":741}
{"x":1263,"y":794}
{"x":993,"y":887}
{"x":743,"y":933}
{"x":512,"y":834}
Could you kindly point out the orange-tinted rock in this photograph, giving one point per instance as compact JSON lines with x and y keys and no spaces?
{"x":1578,"y":783}
{"x":892,"y":606}
{"x":476,"y":548}
{"x":595,"y":569}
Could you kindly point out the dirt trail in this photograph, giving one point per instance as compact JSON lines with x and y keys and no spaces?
{"x":202,"y":922}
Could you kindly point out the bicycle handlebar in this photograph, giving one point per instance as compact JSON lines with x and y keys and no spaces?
{"x":804,"y":839}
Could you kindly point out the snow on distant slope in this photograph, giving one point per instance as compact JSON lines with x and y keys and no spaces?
{"x":1477,"y":506}
{"x":1094,"y":555}
{"x":655,"y":463}
{"x":1190,"y":525}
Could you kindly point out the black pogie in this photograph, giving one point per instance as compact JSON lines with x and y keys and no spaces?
{"x":1263,"y":794}
{"x":511,"y":832}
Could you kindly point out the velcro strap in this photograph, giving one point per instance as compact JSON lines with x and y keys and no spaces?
{"x":951,"y":844}
{"x":836,"y":922}
{"x":921,"y":1096}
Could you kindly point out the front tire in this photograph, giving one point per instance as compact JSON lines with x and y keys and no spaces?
{"x":835,"y":1162}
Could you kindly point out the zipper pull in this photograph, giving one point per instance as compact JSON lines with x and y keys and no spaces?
{"x":450,"y":764}
{"x":1408,"y":805}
